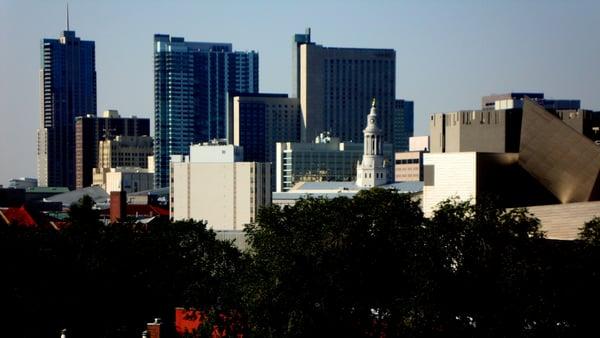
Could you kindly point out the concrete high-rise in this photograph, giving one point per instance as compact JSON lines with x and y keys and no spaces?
{"x":68,"y":90}
{"x":215,"y":185}
{"x":336,"y":85}
{"x":191,"y":85}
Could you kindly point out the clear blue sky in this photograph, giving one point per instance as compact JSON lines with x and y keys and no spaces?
{"x":449,"y":53}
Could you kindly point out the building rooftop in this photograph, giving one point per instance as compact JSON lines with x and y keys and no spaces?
{"x":96,"y":193}
{"x":45,"y":190}
{"x":332,"y":190}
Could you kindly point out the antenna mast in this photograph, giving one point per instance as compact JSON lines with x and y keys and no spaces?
{"x":67,"y":16}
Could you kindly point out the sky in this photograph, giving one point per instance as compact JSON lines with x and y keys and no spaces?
{"x":449,"y":53}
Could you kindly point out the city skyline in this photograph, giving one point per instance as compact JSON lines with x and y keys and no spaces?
{"x":448,"y":54}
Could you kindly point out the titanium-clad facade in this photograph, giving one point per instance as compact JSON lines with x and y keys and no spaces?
{"x":191,"y":85}
{"x":68,"y":90}
{"x":553,"y":163}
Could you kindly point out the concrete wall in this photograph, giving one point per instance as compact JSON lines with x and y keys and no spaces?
{"x":226,"y":195}
{"x":215,"y":153}
{"x":128,"y":181}
{"x":454,"y":174}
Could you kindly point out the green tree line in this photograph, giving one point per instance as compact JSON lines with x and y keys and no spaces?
{"x":370,"y":266}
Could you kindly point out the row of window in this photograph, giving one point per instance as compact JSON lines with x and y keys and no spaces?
{"x":408,"y":161}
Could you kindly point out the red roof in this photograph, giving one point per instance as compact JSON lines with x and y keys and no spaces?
{"x":142,"y":210}
{"x":146,"y":210}
{"x":23,"y":217}
{"x":19,"y":216}
{"x":187,"y":321}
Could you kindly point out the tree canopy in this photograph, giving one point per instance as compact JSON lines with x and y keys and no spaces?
{"x":370,"y":266}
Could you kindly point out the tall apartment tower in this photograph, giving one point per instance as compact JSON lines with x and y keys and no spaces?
{"x":336,"y":85}
{"x":191,"y":85}
{"x":68,"y":90}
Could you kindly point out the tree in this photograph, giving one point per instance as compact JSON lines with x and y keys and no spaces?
{"x":331,"y":267}
{"x":109,"y":280}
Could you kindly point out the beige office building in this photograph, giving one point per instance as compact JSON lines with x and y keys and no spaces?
{"x":214,"y":185}
{"x":336,"y":86}
{"x":123,"y":164}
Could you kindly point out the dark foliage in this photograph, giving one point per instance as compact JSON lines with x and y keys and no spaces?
{"x":108,"y":281}
{"x":374,"y":267}
{"x":371,"y":266}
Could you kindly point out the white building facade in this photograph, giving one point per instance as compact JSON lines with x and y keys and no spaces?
{"x":372,"y":171}
{"x":214,"y":185}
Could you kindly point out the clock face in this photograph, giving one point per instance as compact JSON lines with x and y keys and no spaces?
{"x":372,"y":121}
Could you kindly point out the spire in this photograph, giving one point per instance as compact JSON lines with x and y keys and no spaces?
{"x":373,"y":111}
{"x":67,"y":16}
{"x":372,"y":120}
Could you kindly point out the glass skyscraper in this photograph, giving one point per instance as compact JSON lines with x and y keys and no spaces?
{"x":191,"y":84}
{"x":68,"y":90}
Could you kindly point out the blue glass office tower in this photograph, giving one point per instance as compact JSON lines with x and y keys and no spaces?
{"x":191,"y":84}
{"x":68,"y":90}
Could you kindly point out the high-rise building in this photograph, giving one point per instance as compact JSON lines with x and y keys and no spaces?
{"x":68,"y":90}
{"x":403,"y":123}
{"x":89,"y":130}
{"x":336,"y":86}
{"x":260,"y":120}
{"x":191,"y":84}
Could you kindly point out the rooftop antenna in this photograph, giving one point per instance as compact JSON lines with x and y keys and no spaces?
{"x":67,"y":15}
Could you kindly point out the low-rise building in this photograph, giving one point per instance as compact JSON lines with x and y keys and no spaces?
{"x":327,"y":159}
{"x":409,"y":164}
{"x":23,"y":183}
{"x":372,"y":170}
{"x":552,"y":165}
{"x":214,"y":185}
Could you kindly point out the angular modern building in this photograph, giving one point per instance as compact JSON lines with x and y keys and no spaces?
{"x":543,"y":160}
{"x":335,"y":87}
{"x":191,"y":84}
{"x":496,"y":128}
{"x":91,"y":129}
{"x":68,"y":90}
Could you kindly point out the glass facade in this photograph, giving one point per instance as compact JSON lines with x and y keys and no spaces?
{"x":68,"y":84}
{"x":191,"y":84}
{"x":403,"y":124}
